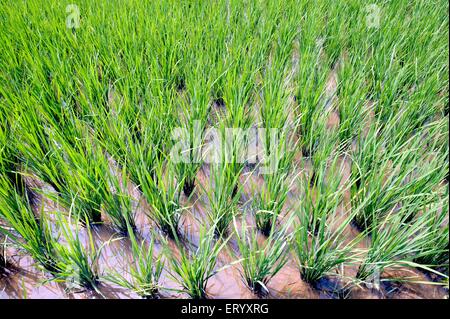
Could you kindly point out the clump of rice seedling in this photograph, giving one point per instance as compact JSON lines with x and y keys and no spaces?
{"x":434,"y":250}
{"x":73,"y":97}
{"x":271,"y":198}
{"x":395,"y":240}
{"x":278,"y":145}
{"x":195,"y":111}
{"x":352,"y":95}
{"x":25,"y":229}
{"x":71,"y":163}
{"x":144,"y":271}
{"x":227,"y":161}
{"x":389,"y":170}
{"x":36,"y":148}
{"x":194,"y":267}
{"x":311,"y":82}
{"x":85,"y":165}
{"x":222,"y":197}
{"x":235,"y":122}
{"x":319,"y":239}
{"x":135,"y":135}
{"x":77,"y":264}
{"x":10,"y":162}
{"x":117,"y":203}
{"x":270,"y":203}
{"x":322,"y":192}
{"x":261,"y":261}
{"x":163,"y":192}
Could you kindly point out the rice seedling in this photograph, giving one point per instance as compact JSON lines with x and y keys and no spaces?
{"x":144,"y":271}
{"x":25,"y":229}
{"x":270,"y":201}
{"x":163,"y":192}
{"x":222,"y":196}
{"x":260,"y":261}
{"x":19,"y":222}
{"x":311,"y":82}
{"x":271,"y":198}
{"x":193,"y":268}
{"x":352,"y":94}
{"x":277,"y":142}
{"x":323,"y":192}
{"x":434,"y":250}
{"x":78,"y":264}
{"x":72,"y":167}
{"x":117,"y":203}
{"x":195,"y":110}
{"x":320,"y":241}
{"x":10,"y":163}
{"x":140,"y":135}
{"x":396,"y":241}
{"x":407,"y":175}
{"x":38,"y":151}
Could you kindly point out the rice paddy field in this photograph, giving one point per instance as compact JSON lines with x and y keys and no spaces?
{"x":224,"y":149}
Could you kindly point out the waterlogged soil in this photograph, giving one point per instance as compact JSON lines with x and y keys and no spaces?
{"x":23,"y":279}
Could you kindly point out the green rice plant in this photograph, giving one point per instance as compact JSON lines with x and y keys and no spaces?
{"x":396,"y":241}
{"x":83,"y":178}
{"x":316,"y":135}
{"x":323,"y":193}
{"x":407,"y":174}
{"x":434,"y":250}
{"x":195,"y":110}
{"x":143,"y":272}
{"x":78,"y":264}
{"x":117,"y":203}
{"x":277,"y":142}
{"x":352,"y":94}
{"x":337,"y":21}
{"x":261,"y":261}
{"x":326,"y":148}
{"x":10,"y":161}
{"x":72,"y":167}
{"x":222,"y":196}
{"x":26,"y":230}
{"x":320,"y":239}
{"x":395,"y":70}
{"x":73,"y":97}
{"x":37,"y":149}
{"x":137,"y":136}
{"x":193,"y":268}
{"x":235,"y":121}
{"x":311,"y":81}
{"x":272,"y":196}
{"x":163,"y":192}
{"x":227,"y":156}
{"x":270,"y":203}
